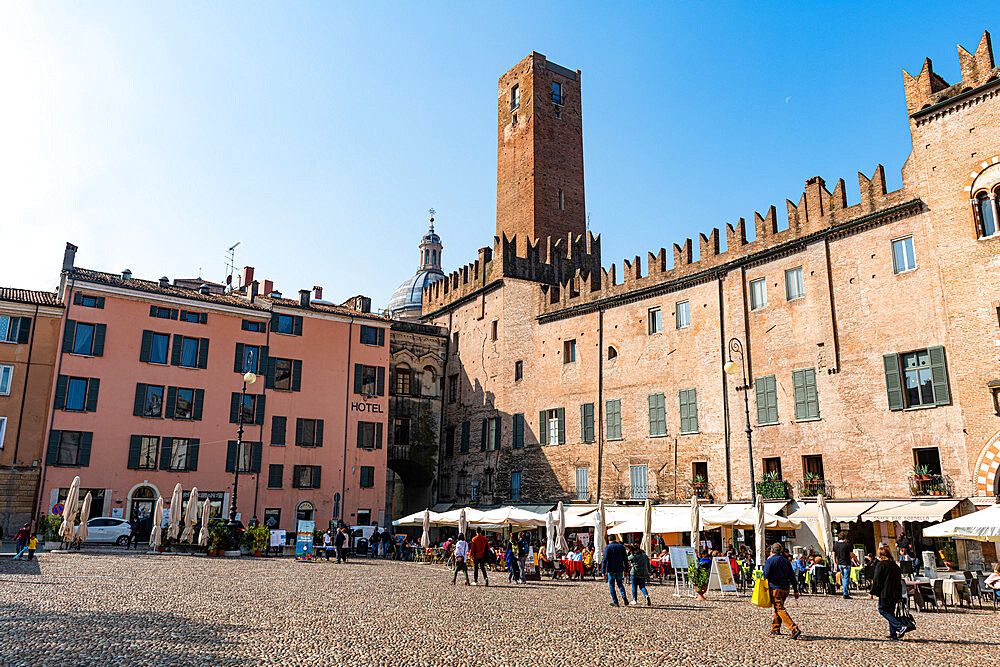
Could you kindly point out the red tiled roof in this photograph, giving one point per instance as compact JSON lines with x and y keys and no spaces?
{"x":29,"y":296}
{"x":153,"y":287}
{"x":328,"y":308}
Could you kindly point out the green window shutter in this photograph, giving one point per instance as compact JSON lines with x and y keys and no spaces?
{"x":203,"y":353}
{"x":171,"y":402}
{"x":361,"y":434}
{"x":652,"y":414}
{"x":69,"y":335}
{"x":258,"y":409}
{"x":297,"y":326}
{"x":893,"y":382}
{"x":297,"y":375}
{"x":543,"y":436}
{"x":61,"y":383}
{"x":317,"y":472}
{"x":234,"y":408}
{"x":772,"y":400}
{"x":812,"y":396}
{"x":262,"y":361}
{"x":86,"y":443}
{"x":518,"y":431}
{"x":135,"y":442}
{"x":231,"y":456}
{"x":614,"y":419}
{"x":93,"y":389}
{"x":482,"y":439}
{"x":799,"y":390}
{"x":100,"y":331}
{"x":199,"y":404}
{"x":256,"y":451}
{"x":380,"y":381}
{"x":272,"y":368}
{"x":52,"y":453}
{"x":25,"y":328}
{"x":496,"y":434}
{"x":378,"y":435}
{"x":140,"y":399}
{"x":175,"y":353}
{"x":240,"y":358}
{"x":319,"y":432}
{"x":192,"y":459}
{"x":146,"y":347}
{"x":587,"y":430}
{"x":939,"y":376}
{"x":278,"y":430}
{"x":693,"y":410}
{"x":167,"y":444}
{"x":760,"y":391}
{"x":583,"y":422}
{"x":561,"y":413}
{"x":298,"y":432}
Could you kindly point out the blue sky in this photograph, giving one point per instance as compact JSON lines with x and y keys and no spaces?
{"x":154,"y":136}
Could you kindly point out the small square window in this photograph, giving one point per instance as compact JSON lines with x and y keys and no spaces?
{"x":683,"y":314}
{"x":758,"y":294}
{"x":6,"y":376}
{"x":653,"y":321}
{"x":557,"y":97}
{"x":795,"y":287}
{"x":903,"y":258}
{"x":76,"y":393}
{"x":569,"y":351}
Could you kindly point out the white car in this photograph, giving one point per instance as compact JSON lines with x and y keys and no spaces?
{"x":108,"y":529}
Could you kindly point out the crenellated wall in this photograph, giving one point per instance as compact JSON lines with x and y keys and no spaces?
{"x":928,"y":88}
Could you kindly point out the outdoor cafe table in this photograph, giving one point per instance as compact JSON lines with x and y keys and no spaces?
{"x":573,"y":567}
{"x":659,"y":566}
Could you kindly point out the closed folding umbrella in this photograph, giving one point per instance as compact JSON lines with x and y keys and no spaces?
{"x":203,"y":533}
{"x":463,"y":525}
{"x":81,"y":530}
{"x":156,"y":535}
{"x":647,"y":528}
{"x":176,"y":500}
{"x":561,"y":544}
{"x":550,"y":537}
{"x":190,"y":516}
{"x":695,"y":523}
{"x":758,"y":532}
{"x":825,"y":526}
{"x":69,"y":510}
{"x":425,"y":538}
{"x":600,"y":528}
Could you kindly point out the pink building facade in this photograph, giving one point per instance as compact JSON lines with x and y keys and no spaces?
{"x":147,"y":393}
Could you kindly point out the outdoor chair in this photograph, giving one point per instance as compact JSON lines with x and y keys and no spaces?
{"x":987,"y":592}
{"x":939,"y":594}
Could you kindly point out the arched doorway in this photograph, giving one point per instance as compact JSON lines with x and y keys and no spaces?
{"x":305,"y":511}
{"x":141,"y":502}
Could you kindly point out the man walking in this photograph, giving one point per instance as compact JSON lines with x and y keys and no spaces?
{"x":376,"y":536}
{"x":845,"y":558}
{"x":478,"y":551}
{"x":781,"y":579}
{"x":386,"y":542}
{"x":340,"y":542}
{"x":613,"y":567}
{"x":327,"y":543}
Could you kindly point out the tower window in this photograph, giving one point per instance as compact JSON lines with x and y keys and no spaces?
{"x":903,"y":258}
{"x":515,"y":97}
{"x":562,"y":201}
{"x":986,"y":214}
{"x":557,"y":92}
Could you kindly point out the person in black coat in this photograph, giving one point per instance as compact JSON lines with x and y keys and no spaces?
{"x":887,"y":586}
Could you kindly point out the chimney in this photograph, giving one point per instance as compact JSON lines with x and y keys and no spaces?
{"x":204,"y":289}
{"x":69,"y":257}
{"x":253,"y":290}
{"x":268,"y":286}
{"x":318,"y":292}
{"x":164,"y":281}
{"x":127,"y":274}
{"x":304,"y":298}
{"x":247,"y":275}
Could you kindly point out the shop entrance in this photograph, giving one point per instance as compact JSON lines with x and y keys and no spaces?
{"x":143,"y":499}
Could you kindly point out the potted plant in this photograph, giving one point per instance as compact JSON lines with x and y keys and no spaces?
{"x":256,"y":538}
{"x":698,"y":579}
{"x":699,"y":482}
{"x":219,"y":537}
{"x":772,"y":486}
{"x":921,"y":473}
{"x":48,"y":528}
{"x":949,"y":556}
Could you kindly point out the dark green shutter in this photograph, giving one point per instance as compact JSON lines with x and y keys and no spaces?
{"x":171,"y":402}
{"x":274,"y":321}
{"x":258,"y":409}
{"x":939,"y":376}
{"x":256,"y":452}
{"x":192,"y":458}
{"x":86,"y":443}
{"x":277,"y":430}
{"x":100,"y":302}
{"x":93,"y":387}
{"x":561,"y":414}
{"x":134,"y":445}
{"x":812,"y":396}
{"x":238,"y":363}
{"x":361,"y":435}
{"x":317,"y":476}
{"x":175,"y":354}
{"x":296,"y":375}
{"x":140,"y":399}
{"x":693,"y":410}
{"x":166,"y":446}
{"x":297,"y":326}
{"x":271,"y":370}
{"x":543,"y":436}
{"x":262,"y":360}
{"x":482,"y":439}
{"x":68,"y":335}
{"x":203,"y":353}
{"x":295,"y":476}
{"x":231,"y":456}
{"x":496,"y":434}
{"x":378,"y":435}
{"x":760,"y":391}
{"x":234,"y":409}
{"x":772,"y":399}
{"x":274,"y":475}
{"x":174,"y":313}
{"x":298,"y":432}
{"x":100,"y":331}
{"x":518,"y":431}
{"x":319,"y":432}
{"x":199,"y":404}
{"x":799,"y":390}
{"x":380,"y":381}
{"x":152,"y":311}
{"x":77,"y":299}
{"x":203,"y":318}
{"x":358,"y":372}
{"x":893,"y":382}
{"x":52,"y":453}
{"x":24,"y":329}
{"x":60,"y":401}
{"x":381,"y":337}
{"x":146,"y":348}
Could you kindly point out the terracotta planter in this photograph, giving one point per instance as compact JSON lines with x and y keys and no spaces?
{"x":256,"y":553}
{"x":701,"y":593}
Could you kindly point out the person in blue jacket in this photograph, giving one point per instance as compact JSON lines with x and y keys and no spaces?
{"x":613,"y":567}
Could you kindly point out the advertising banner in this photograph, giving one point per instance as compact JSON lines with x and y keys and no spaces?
{"x":304,"y":540}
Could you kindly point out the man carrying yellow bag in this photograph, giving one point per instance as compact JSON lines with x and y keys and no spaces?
{"x":780,"y":579}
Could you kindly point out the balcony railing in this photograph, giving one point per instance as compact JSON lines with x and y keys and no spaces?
{"x":773,"y":489}
{"x":702,"y":490}
{"x":931,"y":485}
{"x":400,"y":452}
{"x":813,"y":487}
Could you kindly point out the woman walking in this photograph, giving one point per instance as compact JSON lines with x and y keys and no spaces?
{"x":461,"y":553}
{"x":887,"y":586}
{"x":640,"y":573}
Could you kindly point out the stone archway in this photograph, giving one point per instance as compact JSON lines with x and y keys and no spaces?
{"x":984,"y":474}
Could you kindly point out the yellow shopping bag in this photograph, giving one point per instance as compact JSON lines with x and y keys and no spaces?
{"x":761,"y":593}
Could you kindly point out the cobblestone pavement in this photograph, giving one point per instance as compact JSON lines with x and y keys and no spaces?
{"x":113,"y":608}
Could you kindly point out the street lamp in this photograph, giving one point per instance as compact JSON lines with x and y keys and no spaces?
{"x":731,"y":368}
{"x":248,"y":378}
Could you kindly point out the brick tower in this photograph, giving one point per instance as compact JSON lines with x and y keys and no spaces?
{"x":539,"y":152}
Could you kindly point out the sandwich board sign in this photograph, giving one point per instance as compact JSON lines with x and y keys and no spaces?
{"x":721,"y":576}
{"x":681,"y":558}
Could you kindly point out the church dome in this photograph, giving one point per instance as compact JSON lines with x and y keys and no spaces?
{"x":406,"y":301}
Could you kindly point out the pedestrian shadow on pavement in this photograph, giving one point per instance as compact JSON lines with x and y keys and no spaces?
{"x":910,"y":639}
{"x":19,"y":567}
{"x":145,"y":637}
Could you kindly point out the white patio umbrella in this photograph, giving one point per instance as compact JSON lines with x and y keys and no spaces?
{"x":825,"y":526}
{"x":425,"y":538}
{"x":600,"y":528}
{"x":203,"y":533}
{"x":561,"y":544}
{"x":176,"y":500}
{"x":463,"y":524}
{"x":695,"y":523}
{"x":69,"y":510}
{"x":81,"y":530}
{"x":982,"y":526}
{"x":758,"y":533}
{"x":156,"y":535}
{"x":550,"y":537}
{"x":647,"y":528}
{"x":190,"y":516}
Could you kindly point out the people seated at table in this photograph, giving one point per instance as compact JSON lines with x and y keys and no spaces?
{"x":588,"y":556}
{"x":993,"y":581}
{"x":799,"y":566}
{"x":819,"y":574}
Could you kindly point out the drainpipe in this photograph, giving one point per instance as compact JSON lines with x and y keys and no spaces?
{"x":347,"y":415}
{"x":600,"y":401}
{"x":52,"y":414}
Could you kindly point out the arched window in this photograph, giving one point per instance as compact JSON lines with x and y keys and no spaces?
{"x":986,"y":218}
{"x":304,"y":511}
{"x":612,"y":352}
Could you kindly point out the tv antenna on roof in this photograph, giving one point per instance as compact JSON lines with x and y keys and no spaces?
{"x":231,"y":263}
